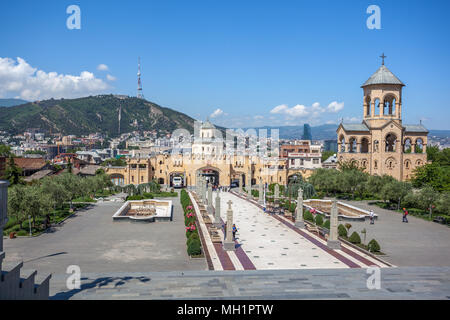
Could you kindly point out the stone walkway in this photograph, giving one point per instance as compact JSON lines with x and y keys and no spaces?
{"x":272,"y":242}
{"x":396,"y":283}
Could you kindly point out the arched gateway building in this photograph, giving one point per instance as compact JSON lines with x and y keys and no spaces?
{"x":382,"y":144}
{"x":208,"y":156}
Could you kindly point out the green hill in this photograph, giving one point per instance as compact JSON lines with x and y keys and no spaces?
{"x":11,"y":102}
{"x":92,"y":114}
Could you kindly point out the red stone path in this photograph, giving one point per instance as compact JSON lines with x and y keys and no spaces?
{"x":318,"y":243}
{"x":224,"y":258}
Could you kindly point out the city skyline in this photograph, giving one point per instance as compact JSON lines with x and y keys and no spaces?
{"x":236,"y":67}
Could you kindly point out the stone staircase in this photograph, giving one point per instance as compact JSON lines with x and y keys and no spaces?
{"x":17,"y":284}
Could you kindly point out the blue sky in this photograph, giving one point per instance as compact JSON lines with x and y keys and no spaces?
{"x":244,"y":58}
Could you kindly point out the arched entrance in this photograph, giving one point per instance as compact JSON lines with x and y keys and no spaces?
{"x":117,"y":179}
{"x":211,"y":174}
{"x":177,"y":179}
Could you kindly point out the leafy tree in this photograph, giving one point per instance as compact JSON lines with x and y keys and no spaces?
{"x":17,"y":206}
{"x":327,"y":154}
{"x":73,"y":186}
{"x":428,"y":197}
{"x":443,"y":204}
{"x":13,"y":173}
{"x":395,"y":191}
{"x":57,"y":192}
{"x":5,"y":150}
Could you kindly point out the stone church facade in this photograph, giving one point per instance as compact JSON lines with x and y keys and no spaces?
{"x":382,"y":144}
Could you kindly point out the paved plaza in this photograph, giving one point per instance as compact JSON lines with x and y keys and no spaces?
{"x":396,"y":283}
{"x":273,"y":259}
{"x":416,"y":243}
{"x":91,"y":240}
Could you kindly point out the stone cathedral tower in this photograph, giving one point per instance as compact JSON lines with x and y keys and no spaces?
{"x":382,"y":144}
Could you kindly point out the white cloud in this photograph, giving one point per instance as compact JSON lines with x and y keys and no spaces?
{"x":217,"y":113}
{"x":102,"y":67}
{"x":279,"y":109}
{"x":258,"y":117}
{"x":110,"y":77}
{"x":335,"y":106}
{"x":20,"y":79}
{"x":296,"y":111}
{"x":312,"y":112}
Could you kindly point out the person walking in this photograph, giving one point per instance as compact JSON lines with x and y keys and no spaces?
{"x":372,"y":217}
{"x":224,"y":227}
{"x":234,"y":232}
{"x":405,"y":215}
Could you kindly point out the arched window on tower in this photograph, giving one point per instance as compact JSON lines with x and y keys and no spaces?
{"x":389,"y":105}
{"x":352,"y":145}
{"x":391,"y":141}
{"x":342,"y":143}
{"x":407,"y":146}
{"x":368,"y":106}
{"x":377,"y":106}
{"x":419,"y":146}
{"x":364,"y":145}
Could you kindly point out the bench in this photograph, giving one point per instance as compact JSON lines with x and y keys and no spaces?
{"x":313,"y":229}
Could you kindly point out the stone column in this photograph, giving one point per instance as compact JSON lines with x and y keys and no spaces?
{"x":333,"y":242}
{"x":204,"y":184}
{"x":277,"y":192}
{"x":209,"y":195}
{"x":299,"y":223}
{"x":3,"y":209}
{"x":249,"y":183}
{"x":228,"y":245}
{"x":261,"y":192}
{"x":217,"y":222}
{"x":210,"y":204}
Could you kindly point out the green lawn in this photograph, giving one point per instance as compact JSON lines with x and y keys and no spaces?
{"x":56,"y":216}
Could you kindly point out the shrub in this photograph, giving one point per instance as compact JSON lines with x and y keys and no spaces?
{"x":308,"y":216}
{"x":194,"y":247}
{"x":354,"y":238}
{"x":326,"y":224}
{"x":23,"y":233}
{"x":319,"y":220}
{"x":148,"y":195}
{"x":136,"y":197}
{"x":189,"y":221}
{"x":373,"y":246}
{"x":342,"y":231}
{"x":193,"y":236}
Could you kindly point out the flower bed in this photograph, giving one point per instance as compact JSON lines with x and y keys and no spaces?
{"x":193,"y":243}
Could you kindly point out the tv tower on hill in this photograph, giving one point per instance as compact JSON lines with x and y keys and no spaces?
{"x":139,"y":88}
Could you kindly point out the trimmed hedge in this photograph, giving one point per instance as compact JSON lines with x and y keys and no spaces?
{"x":373,"y":246}
{"x":194,"y":247}
{"x":342,"y":231}
{"x":326,"y":224}
{"x":355,"y":238}
{"x":319,"y":220}
{"x":308,"y":216}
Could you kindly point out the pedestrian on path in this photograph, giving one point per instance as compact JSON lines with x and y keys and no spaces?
{"x":234,"y":232}
{"x":224,"y":227}
{"x":372,"y":217}
{"x":405,"y":215}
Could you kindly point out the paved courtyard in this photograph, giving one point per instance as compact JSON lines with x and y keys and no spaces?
{"x":268,"y":242}
{"x":91,"y":240}
{"x":396,"y":283}
{"x":417,"y":243}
